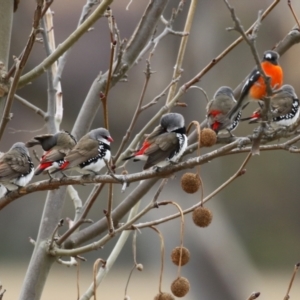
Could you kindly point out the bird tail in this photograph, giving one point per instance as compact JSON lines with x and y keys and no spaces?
{"x":128,"y":157}
{"x":32,"y":143}
{"x":42,"y":167}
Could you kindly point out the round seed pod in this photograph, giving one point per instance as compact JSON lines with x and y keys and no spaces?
{"x":139,"y":267}
{"x":164,"y":296}
{"x":207,"y":137}
{"x":190,"y":183}
{"x":175,"y":256}
{"x":180,"y":287}
{"x":202,"y":216}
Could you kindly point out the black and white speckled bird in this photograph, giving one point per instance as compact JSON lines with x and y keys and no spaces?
{"x":284,"y":107}
{"x":16,"y":167}
{"x":87,"y":157}
{"x":165,"y":144}
{"x":56,"y":147}
{"x":218,"y":108}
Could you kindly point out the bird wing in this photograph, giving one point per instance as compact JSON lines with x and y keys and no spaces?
{"x":13,"y":162}
{"x":83,"y":151}
{"x":161,"y":148}
{"x":156,"y":132}
{"x":54,"y":155}
{"x":281,"y":105}
{"x":253,"y":77}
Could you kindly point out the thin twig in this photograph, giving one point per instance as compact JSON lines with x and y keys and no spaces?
{"x":20,"y":64}
{"x":296,"y":268}
{"x":148,"y":73}
{"x":112,"y":257}
{"x":293,"y":12}
{"x":181,"y":51}
{"x":239,"y":172}
{"x":63,"y":47}
{"x":181,"y":231}
{"x":26,"y":103}
{"x":113,"y":43}
{"x":107,"y":212}
{"x":53,"y":236}
{"x":162,"y":256}
{"x":95,"y":268}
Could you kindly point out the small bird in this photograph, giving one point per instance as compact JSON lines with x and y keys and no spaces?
{"x":165,"y":144}
{"x":255,"y":87}
{"x":87,"y":157}
{"x":218,"y":108}
{"x":16,"y":167}
{"x":284,"y":107}
{"x":56,"y":147}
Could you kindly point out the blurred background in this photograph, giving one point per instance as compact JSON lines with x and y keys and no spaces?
{"x":253,"y":241}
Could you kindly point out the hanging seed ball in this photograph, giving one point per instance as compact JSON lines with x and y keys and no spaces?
{"x":190,"y":183}
{"x":139,"y":267}
{"x":175,"y":256}
{"x":164,"y":296}
{"x":202,"y":216}
{"x":207,"y":137}
{"x":180,"y":287}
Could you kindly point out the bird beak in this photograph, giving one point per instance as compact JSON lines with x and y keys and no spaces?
{"x":109,"y":138}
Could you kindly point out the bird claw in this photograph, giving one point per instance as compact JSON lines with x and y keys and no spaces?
{"x":87,"y":176}
{"x":157,"y":169}
{"x":242,"y":142}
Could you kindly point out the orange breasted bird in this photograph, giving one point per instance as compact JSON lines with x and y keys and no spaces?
{"x":255,"y":87}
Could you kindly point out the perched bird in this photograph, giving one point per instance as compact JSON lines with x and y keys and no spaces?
{"x":87,"y":157}
{"x":165,"y":144}
{"x":255,"y":87}
{"x":284,"y":107}
{"x":56,"y":147}
{"x":16,"y":167}
{"x":218,"y":108}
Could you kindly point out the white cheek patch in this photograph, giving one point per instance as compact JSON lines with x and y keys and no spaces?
{"x":268,"y":56}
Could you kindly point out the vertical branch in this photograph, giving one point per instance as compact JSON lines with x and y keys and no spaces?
{"x":55,"y":100}
{"x":6,"y":18}
{"x":112,"y":55}
{"x":112,"y":257}
{"x":182,"y":47}
{"x":148,"y":73}
{"x":109,"y":209}
{"x":162,"y":256}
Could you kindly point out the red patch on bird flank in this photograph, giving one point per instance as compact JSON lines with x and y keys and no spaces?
{"x":45,"y":165}
{"x":215,"y":126}
{"x":145,"y":146}
{"x":64,"y":165}
{"x":255,"y":115}
{"x":214,"y":113}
